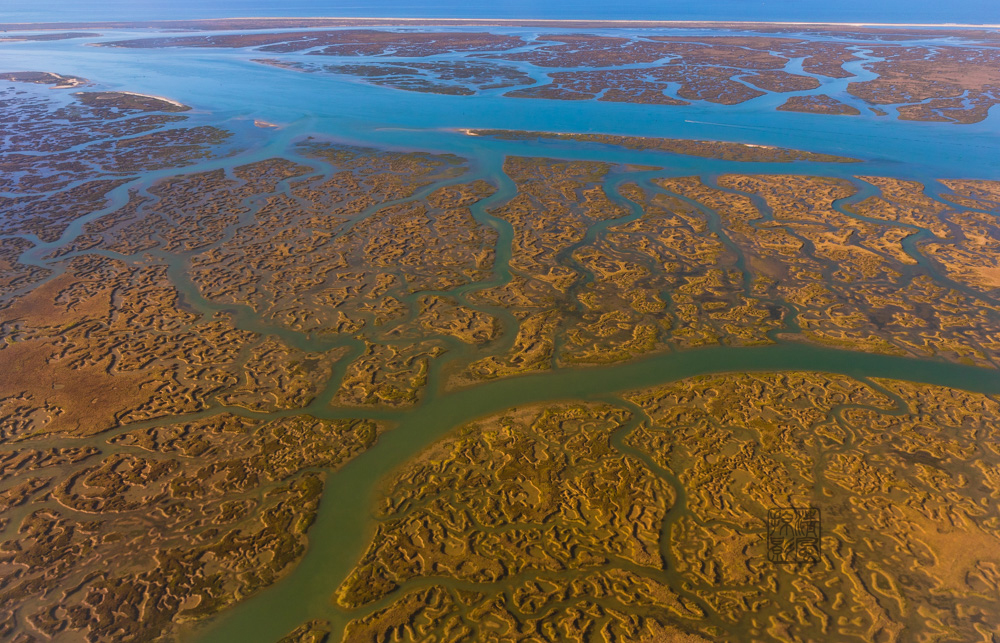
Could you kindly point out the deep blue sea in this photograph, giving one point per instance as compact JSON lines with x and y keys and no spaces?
{"x":895,"y":11}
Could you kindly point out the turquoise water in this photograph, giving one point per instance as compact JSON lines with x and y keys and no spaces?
{"x":225,"y":85}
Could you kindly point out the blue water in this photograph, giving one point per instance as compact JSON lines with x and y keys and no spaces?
{"x":896,"y":11}
{"x":225,"y":86}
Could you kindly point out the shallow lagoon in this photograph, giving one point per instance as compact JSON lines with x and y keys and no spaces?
{"x":229,"y":87}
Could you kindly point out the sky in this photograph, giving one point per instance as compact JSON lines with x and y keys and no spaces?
{"x":894,"y":11}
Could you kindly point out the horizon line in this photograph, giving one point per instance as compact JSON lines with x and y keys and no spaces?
{"x":590,"y":21}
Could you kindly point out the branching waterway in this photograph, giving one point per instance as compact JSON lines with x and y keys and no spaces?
{"x":344,"y":524}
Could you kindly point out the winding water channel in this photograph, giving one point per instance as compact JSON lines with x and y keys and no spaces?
{"x":344,"y":524}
